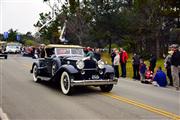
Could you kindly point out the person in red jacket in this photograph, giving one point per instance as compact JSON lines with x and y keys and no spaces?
{"x":123,"y":60}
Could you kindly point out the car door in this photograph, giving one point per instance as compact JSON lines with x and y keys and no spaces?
{"x":48,"y":62}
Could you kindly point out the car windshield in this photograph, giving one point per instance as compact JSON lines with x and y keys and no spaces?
{"x":70,"y":51}
{"x":13,"y":47}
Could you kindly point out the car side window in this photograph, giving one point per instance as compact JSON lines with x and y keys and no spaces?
{"x":62,"y":51}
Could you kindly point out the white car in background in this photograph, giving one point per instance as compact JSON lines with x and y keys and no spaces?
{"x":13,"y":49}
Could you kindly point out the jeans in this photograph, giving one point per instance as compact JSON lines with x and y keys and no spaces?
{"x":136,"y":72}
{"x":116,"y":71}
{"x":170,"y":76}
{"x":175,"y":75}
{"x":123,"y":69}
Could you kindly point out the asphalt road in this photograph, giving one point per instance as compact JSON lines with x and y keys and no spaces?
{"x":22,"y":99}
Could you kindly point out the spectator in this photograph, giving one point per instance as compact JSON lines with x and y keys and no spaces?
{"x":152,"y":62}
{"x":175,"y":65}
{"x":160,"y":78}
{"x":167,"y":64}
{"x":35,"y":55}
{"x":113,"y":54}
{"x":142,"y":70}
{"x":42,"y":51}
{"x":135,"y":63}
{"x":116,"y":63}
{"x":123,"y":60}
{"x":148,"y":76}
{"x":33,"y":52}
{"x":85,"y":51}
{"x":97,"y":54}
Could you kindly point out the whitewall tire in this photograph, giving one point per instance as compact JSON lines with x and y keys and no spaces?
{"x":35,"y":74}
{"x":65,"y":83}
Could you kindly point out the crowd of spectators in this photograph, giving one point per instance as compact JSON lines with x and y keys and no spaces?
{"x":150,"y":74}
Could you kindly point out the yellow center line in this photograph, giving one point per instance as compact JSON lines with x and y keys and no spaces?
{"x":144,"y":106}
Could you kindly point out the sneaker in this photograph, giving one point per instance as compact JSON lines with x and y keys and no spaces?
{"x":177,"y":88}
{"x":170,"y":84}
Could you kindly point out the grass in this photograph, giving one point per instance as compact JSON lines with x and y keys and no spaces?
{"x":129,"y":69}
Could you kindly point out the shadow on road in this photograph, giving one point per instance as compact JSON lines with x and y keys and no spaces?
{"x":76,"y":91}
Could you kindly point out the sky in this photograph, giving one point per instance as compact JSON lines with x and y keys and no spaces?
{"x":20,"y":14}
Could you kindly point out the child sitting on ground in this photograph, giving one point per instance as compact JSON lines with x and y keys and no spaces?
{"x":148,"y":76}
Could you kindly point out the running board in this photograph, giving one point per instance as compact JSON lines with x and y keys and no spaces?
{"x":44,"y":78}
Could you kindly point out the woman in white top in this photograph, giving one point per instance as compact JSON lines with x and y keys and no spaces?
{"x":116,"y":64}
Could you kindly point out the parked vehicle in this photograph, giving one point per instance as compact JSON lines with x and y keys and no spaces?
{"x":67,"y":66}
{"x":2,"y":49}
{"x":27,"y":51}
{"x":13,"y":47}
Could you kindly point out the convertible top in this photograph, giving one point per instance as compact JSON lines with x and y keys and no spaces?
{"x":1,"y":42}
{"x":63,"y":46}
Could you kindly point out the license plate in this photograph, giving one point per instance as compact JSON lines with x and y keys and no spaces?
{"x":95,"y":77}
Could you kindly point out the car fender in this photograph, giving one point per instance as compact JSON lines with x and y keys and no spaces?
{"x":35,"y":63}
{"x":57,"y":61}
{"x":109,"y":69}
{"x":69,"y":68}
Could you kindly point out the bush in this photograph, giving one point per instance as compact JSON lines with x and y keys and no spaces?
{"x":30,"y":42}
{"x":145,"y":55}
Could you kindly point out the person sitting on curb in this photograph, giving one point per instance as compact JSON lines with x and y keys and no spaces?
{"x":159,"y":78}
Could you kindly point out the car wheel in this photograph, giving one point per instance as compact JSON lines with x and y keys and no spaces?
{"x":65,"y":83}
{"x":35,"y":74}
{"x":106,"y":88}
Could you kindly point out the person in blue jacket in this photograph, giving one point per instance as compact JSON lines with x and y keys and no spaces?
{"x":160,"y":78}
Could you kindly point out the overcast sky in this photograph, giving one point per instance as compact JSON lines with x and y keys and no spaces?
{"x":20,"y":14}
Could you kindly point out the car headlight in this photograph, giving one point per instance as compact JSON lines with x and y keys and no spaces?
{"x":101,"y":64}
{"x":80,"y":64}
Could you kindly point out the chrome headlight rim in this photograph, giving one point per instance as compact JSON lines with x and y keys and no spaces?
{"x":80,"y":64}
{"x":101,"y":64}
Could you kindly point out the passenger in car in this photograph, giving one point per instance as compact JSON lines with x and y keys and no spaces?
{"x":90,"y":52}
{"x":97,"y":54}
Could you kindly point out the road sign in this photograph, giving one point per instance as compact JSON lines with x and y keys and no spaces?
{"x":18,"y":38}
{"x":5,"y":35}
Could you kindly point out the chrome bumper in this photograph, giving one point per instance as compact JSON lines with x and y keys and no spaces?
{"x":93,"y":82}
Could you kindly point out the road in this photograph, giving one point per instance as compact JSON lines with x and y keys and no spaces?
{"x":22,"y":99}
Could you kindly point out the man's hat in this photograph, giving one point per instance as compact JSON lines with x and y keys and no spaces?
{"x":174,"y":46}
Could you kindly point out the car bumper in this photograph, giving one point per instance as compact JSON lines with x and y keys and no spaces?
{"x":3,"y":55}
{"x":93,"y":82}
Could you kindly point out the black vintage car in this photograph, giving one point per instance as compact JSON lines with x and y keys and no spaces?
{"x":67,"y":66}
{"x":2,"y":50}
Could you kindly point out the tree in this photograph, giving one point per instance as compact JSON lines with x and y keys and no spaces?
{"x":12,"y":35}
{"x":49,"y":32}
{"x":78,"y":21}
{"x":146,"y":26}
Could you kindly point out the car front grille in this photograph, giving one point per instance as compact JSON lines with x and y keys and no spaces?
{"x":90,"y":64}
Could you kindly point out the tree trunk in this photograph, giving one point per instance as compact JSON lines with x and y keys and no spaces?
{"x":109,"y":45}
{"x":157,"y":46}
{"x":79,"y":38}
